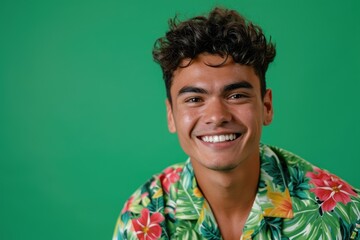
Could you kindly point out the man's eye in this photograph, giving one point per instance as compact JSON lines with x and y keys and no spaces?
{"x":193,"y":100}
{"x":237,"y":96}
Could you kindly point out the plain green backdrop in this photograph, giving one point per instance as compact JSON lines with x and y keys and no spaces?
{"x":82,"y":116}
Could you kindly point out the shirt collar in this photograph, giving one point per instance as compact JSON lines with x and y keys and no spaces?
{"x":273,"y":194}
{"x":272,"y":199}
{"x":189,"y":201}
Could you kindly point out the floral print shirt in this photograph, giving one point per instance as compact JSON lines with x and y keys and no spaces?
{"x":295,"y":200}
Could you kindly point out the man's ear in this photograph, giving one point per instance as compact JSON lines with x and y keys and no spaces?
{"x":170,"y":117}
{"x":268,"y":107}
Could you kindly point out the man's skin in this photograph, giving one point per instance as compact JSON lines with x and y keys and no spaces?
{"x":226,"y":102}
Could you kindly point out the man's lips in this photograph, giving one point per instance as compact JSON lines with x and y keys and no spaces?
{"x":218,"y":138}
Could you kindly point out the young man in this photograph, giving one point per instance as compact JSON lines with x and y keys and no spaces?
{"x":232,"y":187}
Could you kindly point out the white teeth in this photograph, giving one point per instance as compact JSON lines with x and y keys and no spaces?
{"x":219,"y":138}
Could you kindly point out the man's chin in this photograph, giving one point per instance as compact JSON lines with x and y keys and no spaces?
{"x":219,"y":166}
{"x":223,"y":168}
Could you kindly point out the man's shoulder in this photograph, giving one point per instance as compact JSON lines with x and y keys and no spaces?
{"x":291,"y":161}
{"x":319,"y":198}
{"x":287,"y":158}
{"x":149,"y":205}
{"x":158,"y":186}
{"x":296,"y":167}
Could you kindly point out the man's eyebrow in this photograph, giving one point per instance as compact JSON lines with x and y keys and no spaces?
{"x":237,"y":85}
{"x":190,"y":89}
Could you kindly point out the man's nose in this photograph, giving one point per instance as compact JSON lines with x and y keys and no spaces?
{"x":217,"y":113}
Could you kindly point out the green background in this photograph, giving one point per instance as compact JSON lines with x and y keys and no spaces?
{"x":82,"y":116}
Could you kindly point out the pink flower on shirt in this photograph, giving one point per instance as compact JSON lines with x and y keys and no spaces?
{"x":147,"y":226}
{"x":169,"y":177}
{"x":330,"y":189}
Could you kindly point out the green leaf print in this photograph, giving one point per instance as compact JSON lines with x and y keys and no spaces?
{"x":346,"y":229}
{"x":190,"y":234}
{"x":308,"y":223}
{"x":209,"y":230}
{"x":188,"y":206}
{"x":298,"y":184}
{"x":271,"y":167}
{"x":156,"y":205}
{"x":186,"y":230}
{"x":273,"y":226}
{"x":125,"y":217}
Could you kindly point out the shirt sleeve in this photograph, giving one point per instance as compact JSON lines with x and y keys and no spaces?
{"x":143,"y":198}
{"x":123,"y":228}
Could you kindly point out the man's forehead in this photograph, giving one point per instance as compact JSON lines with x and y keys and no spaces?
{"x":201,"y":73}
{"x":212,"y":63}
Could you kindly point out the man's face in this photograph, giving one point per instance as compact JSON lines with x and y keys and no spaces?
{"x":218,"y":112}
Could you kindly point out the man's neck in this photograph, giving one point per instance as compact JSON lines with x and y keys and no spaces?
{"x":230,"y":194}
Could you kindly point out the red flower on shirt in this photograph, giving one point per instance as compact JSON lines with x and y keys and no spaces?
{"x":147,"y":226}
{"x":330,"y":189}
{"x":170,"y":176}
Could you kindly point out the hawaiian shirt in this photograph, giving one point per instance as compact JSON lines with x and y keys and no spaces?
{"x":295,"y":200}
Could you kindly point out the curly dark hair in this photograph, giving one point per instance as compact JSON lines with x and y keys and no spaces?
{"x":224,"y":32}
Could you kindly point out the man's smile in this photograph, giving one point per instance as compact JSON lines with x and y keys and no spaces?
{"x":219,"y":138}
